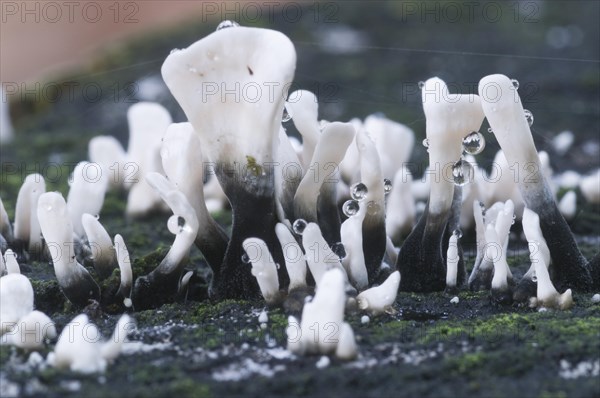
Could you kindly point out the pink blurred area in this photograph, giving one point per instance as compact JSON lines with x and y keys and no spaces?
{"x":40,"y":38}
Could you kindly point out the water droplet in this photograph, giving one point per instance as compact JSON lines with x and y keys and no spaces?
{"x":245,"y":258}
{"x":387,"y":186}
{"x":350,"y":208}
{"x":458,"y":233}
{"x":373,"y":208}
{"x":173,"y":51}
{"x":425,"y":143}
{"x":515,"y":83}
{"x":277,"y":265}
{"x":421,"y":84}
{"x":514,"y":217}
{"x":175,"y":224}
{"x":299,"y":226}
{"x":97,"y":216}
{"x":286,"y":117}
{"x":534,"y":277}
{"x":339,"y":249}
{"x":490,"y":130}
{"x":462,"y":173}
{"x":528,"y":116}
{"x":474,"y":143}
{"x":227,"y":24}
{"x":358,"y":191}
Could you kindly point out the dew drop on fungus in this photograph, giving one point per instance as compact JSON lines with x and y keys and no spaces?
{"x":421,"y":84}
{"x":339,"y":249}
{"x":534,"y":277}
{"x":425,"y":143}
{"x":387,"y":186}
{"x":286,"y":117}
{"x":350,"y":208}
{"x":175,"y":50}
{"x":515,"y":83}
{"x":175,"y":224}
{"x":528,"y":116}
{"x":474,"y":143}
{"x":358,"y":191}
{"x":299,"y":226}
{"x":373,"y":208}
{"x":462,"y":173}
{"x":227,"y":24}
{"x":245,"y":258}
{"x":490,"y":130}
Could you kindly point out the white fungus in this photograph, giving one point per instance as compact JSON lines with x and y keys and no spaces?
{"x":379,"y":299}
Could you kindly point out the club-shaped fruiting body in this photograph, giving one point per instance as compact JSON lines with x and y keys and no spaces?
{"x":346,"y":349}
{"x":500,"y":184}
{"x":449,"y":118}
{"x":379,"y":299}
{"x":182,"y":161}
{"x":232,"y":86}
{"x":452,"y":258}
{"x":372,"y":206}
{"x":124,"y":262}
{"x":148,"y":122}
{"x":159,"y":285}
{"x":30,"y":331}
{"x":537,"y":244}
{"x":590,"y":187}
{"x":329,"y":152}
{"x":80,"y":347}
{"x":104,"y":256}
{"x":295,"y":263}
{"x":354,"y":262}
{"x":264,"y":268}
{"x":74,"y":280}
{"x":319,"y":256}
{"x":547,"y":296}
{"x":303,"y":106}
{"x":568,"y":205}
{"x":400,"y":208}
{"x":108,"y":153}
{"x":496,"y":252}
{"x":16,"y":300}
{"x":322,"y":318}
{"x":504,"y":111}
{"x":86,"y":194}
{"x":10,"y":262}
{"x":27,"y":227}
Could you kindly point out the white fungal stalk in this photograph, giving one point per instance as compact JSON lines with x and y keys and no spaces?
{"x":322,"y":319}
{"x":590,"y":187}
{"x":10,"y":262}
{"x":295,"y":262}
{"x":568,"y":205}
{"x":16,"y":300}
{"x":148,"y":122}
{"x":74,"y":280}
{"x":379,"y":299}
{"x":330,"y":150}
{"x":183,"y":213}
{"x":30,"y":331}
{"x":319,"y":256}
{"x":86,"y":194}
{"x":264,"y":268}
{"x":394,"y":143}
{"x":108,"y":152}
{"x":452,"y":257}
{"x":504,"y":111}
{"x":547,"y":295}
{"x":230,"y":59}
{"x":535,"y":240}
{"x":103,"y":252}
{"x":303,"y":106}
{"x":496,"y":253}
{"x":124,"y":262}
{"x":449,"y":118}
{"x":6,"y":129}
{"x":27,"y":227}
{"x":80,"y":349}
{"x":400,"y":209}
{"x":354,"y":262}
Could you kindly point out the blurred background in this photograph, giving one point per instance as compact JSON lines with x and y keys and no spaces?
{"x":70,"y":70}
